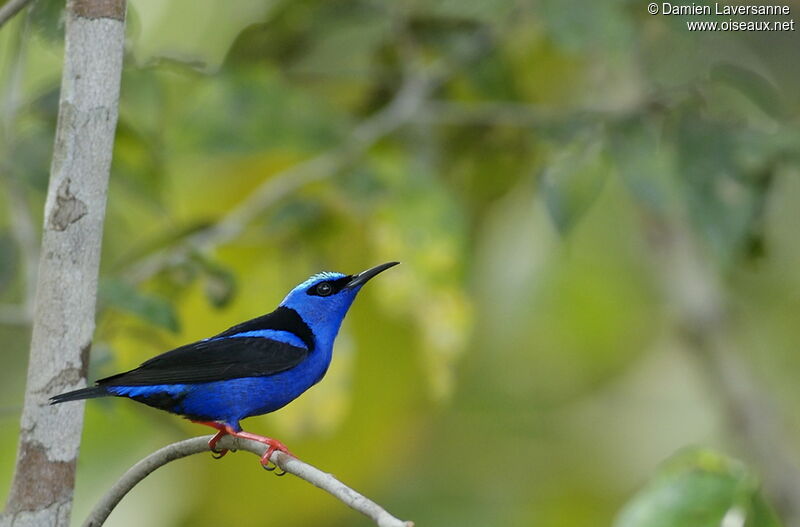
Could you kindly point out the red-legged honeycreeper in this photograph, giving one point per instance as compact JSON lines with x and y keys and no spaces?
{"x":253,"y":368}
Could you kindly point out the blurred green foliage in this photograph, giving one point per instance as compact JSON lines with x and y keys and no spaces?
{"x":699,"y":488}
{"x":523,"y":366}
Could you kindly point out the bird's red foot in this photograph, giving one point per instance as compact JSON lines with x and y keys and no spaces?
{"x":223,"y":430}
{"x":212,"y":443}
{"x":272,"y":446}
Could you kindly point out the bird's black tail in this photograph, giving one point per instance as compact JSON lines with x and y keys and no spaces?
{"x":83,"y":393}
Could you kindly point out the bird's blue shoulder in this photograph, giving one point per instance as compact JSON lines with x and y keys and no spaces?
{"x":281,"y":321}
{"x":287,"y":337}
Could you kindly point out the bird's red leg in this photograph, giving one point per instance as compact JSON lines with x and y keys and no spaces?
{"x":223,"y":430}
{"x":212,"y":443}
{"x":272,"y":445}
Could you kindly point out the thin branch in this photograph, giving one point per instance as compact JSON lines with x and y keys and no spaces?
{"x":408,"y":101}
{"x":488,"y":113}
{"x":525,"y":115}
{"x":198,"y":445}
{"x":702,"y":317}
{"x":11,"y":8}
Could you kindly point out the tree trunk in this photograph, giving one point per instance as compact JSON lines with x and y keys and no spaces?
{"x":41,"y":493}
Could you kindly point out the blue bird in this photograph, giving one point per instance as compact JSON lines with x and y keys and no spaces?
{"x":253,"y":368}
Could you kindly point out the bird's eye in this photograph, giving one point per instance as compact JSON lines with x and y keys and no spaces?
{"x":324,"y":289}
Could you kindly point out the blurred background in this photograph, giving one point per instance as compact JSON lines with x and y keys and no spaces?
{"x":595,"y":322}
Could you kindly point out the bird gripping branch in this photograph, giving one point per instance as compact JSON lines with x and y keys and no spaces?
{"x":253,"y":368}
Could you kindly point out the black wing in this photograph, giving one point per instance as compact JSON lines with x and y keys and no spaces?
{"x":213,"y":360}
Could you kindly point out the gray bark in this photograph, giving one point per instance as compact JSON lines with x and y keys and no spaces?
{"x":41,"y":493}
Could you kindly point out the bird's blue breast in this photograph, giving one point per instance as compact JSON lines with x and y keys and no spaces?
{"x":235,"y":399}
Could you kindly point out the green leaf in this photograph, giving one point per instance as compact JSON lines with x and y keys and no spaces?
{"x":203,"y":43}
{"x":219,"y":282}
{"x":643,"y":165}
{"x":220,"y":287}
{"x":573,"y":180}
{"x":699,"y":488}
{"x":148,"y":307}
{"x":753,"y":86}
{"x":722,"y":200}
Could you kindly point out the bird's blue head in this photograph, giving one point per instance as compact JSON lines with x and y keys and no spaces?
{"x":322,"y":301}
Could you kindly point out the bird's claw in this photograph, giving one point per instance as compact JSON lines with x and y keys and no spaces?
{"x":268,"y":464}
{"x":272,"y":468}
{"x":212,"y":445}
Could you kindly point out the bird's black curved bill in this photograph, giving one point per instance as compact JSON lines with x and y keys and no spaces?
{"x":363,"y":276}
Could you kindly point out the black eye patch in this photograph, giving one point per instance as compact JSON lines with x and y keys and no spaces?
{"x":329,"y":287}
